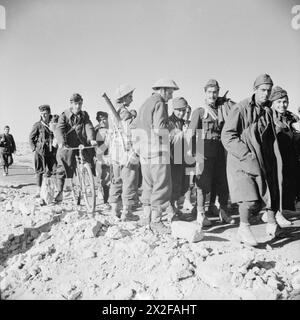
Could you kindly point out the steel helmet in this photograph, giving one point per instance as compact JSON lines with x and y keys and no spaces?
{"x":123,"y":90}
{"x":165,"y":83}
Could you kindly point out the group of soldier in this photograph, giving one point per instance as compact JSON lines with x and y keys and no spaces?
{"x":244,"y":154}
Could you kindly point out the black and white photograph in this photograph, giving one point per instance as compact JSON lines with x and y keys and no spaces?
{"x":149,"y":151}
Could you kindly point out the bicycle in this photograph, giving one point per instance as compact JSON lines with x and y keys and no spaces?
{"x":83,"y":185}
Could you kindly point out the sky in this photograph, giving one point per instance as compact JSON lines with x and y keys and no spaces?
{"x":53,"y":48}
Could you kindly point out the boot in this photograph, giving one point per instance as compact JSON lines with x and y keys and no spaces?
{"x":245,"y":235}
{"x":60,"y":187}
{"x":116,"y":209}
{"x":224,"y":217}
{"x":156,"y":224}
{"x":281,"y":220}
{"x":202,"y":219}
{"x":127,"y":214}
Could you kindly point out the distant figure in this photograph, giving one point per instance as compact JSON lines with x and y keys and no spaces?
{"x":7,"y":148}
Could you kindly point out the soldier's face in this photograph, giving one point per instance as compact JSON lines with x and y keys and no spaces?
{"x":76,"y":106}
{"x":211,"y":94}
{"x":103,"y":122}
{"x":281,"y":105}
{"x":6,"y":130}
{"x":187,"y":114}
{"x":167,"y":93}
{"x":128,"y":99}
{"x":45,"y":115}
{"x":262,"y":93}
{"x":179,"y":113}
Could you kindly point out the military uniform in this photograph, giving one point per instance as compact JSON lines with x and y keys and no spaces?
{"x":7,"y":148}
{"x":41,"y":142}
{"x":210,"y":121}
{"x":124,"y":180}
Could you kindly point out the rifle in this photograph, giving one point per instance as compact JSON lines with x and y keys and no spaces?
{"x":111,"y":106}
{"x":132,"y":155}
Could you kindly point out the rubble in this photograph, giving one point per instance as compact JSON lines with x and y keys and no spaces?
{"x":187,"y":230}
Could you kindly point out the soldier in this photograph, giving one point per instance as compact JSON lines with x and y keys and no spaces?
{"x":253,"y":162}
{"x":74,"y":128}
{"x":189,"y":176}
{"x":125,"y":172}
{"x":152,"y":122}
{"x":176,"y":124}
{"x":41,"y":143}
{"x":103,"y":162}
{"x":7,"y":148}
{"x":210,"y":120}
{"x":283,"y":120}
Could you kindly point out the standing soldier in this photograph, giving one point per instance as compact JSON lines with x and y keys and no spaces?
{"x":41,"y":142}
{"x":125,"y":173}
{"x":176,"y":124}
{"x":103,"y":163}
{"x":7,"y":148}
{"x":152,"y":122}
{"x":210,"y":120}
{"x":253,"y":162}
{"x":74,"y":128}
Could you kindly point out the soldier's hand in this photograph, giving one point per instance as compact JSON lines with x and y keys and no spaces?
{"x":93,"y":143}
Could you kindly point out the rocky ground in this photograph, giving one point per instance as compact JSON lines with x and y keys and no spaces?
{"x":62,"y":252}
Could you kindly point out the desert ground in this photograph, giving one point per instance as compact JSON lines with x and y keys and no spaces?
{"x":63,"y":252}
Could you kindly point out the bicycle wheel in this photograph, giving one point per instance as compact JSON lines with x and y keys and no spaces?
{"x":88,"y":187}
{"x":76,"y":188}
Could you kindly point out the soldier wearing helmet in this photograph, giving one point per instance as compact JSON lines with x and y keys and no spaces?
{"x":125,"y":175}
{"x":206,"y":125}
{"x":153,"y":126}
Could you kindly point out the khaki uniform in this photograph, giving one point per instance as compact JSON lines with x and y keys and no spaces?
{"x":152,"y":123}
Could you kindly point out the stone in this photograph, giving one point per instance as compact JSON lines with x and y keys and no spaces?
{"x":187,"y":230}
{"x":44,"y":236}
{"x":244,"y":294}
{"x":26,"y":208}
{"x":8,"y":206}
{"x":295,"y":281}
{"x":116,"y":233}
{"x":93,"y":229}
{"x":88,"y":254}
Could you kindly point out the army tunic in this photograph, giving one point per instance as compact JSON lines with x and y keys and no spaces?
{"x":7,"y":148}
{"x":206,"y":126}
{"x":41,"y":142}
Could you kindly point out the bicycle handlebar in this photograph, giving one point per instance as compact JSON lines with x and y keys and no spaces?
{"x":81,"y":148}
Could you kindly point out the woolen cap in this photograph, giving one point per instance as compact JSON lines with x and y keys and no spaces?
{"x":262,"y":79}
{"x":277,"y":93}
{"x":101,"y":114}
{"x":212,"y":83}
{"x":179,"y":103}
{"x":76,"y":97}
{"x":44,"y":107}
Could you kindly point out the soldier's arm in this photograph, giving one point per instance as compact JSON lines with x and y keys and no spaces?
{"x":14,"y":144}
{"x":160,"y":119}
{"x":89,"y":128}
{"x":231,"y":135}
{"x":33,"y":136}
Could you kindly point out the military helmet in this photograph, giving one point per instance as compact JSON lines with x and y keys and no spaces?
{"x":165,"y":83}
{"x":123,"y":90}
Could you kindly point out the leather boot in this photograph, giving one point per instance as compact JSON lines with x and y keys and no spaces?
{"x":245,"y":235}
{"x":156,"y":224}
{"x":224,"y":217}
{"x":127,"y":214}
